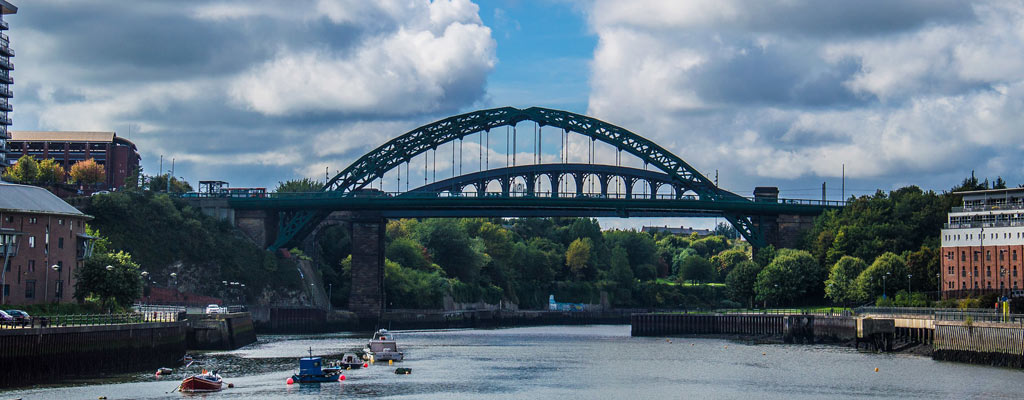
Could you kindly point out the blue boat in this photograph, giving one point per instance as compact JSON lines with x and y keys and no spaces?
{"x":311,"y":371}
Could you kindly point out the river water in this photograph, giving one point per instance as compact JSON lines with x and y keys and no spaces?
{"x":570,"y":362}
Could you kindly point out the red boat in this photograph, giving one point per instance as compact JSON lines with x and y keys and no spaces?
{"x":205,"y":382}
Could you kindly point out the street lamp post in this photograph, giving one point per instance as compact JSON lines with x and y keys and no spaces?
{"x":938,"y":291}
{"x":908,"y":283}
{"x":330,"y":291}
{"x":883,"y":284}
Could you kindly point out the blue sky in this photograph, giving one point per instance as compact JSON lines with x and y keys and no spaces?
{"x":765,"y":93}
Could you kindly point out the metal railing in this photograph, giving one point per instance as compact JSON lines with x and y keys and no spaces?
{"x":920,"y":311}
{"x":49,"y":321}
{"x":990,"y":207}
{"x":964,"y":316}
{"x":981,"y":224}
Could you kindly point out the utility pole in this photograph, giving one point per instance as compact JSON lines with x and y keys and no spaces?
{"x":843,"y":198}
{"x":823,"y":192}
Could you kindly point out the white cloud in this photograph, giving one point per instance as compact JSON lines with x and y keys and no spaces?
{"x":432,"y":60}
{"x":933,"y":96}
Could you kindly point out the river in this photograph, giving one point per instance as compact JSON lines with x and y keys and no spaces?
{"x":570,"y":362}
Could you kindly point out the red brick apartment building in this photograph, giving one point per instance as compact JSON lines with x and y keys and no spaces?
{"x":118,"y":155}
{"x":49,"y":244}
{"x":983,"y":243}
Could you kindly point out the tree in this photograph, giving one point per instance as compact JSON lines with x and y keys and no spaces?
{"x":620,"y":273}
{"x":765,"y":255}
{"x":793,"y":276}
{"x":726,"y":230}
{"x":112,"y":277}
{"x":159,"y":184}
{"x":888,"y":265}
{"x":50,"y":172}
{"x":923,"y":265}
{"x":88,"y":172}
{"x":407,"y":253}
{"x":841,"y":285}
{"x":299,"y":186}
{"x":696,"y":269}
{"x":25,"y":171}
{"x":451,"y":247}
{"x":577,"y":257}
{"x":741,"y":280}
{"x":725,"y":261}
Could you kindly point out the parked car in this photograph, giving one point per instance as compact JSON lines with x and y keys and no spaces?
{"x":5,"y":317}
{"x":100,"y":192}
{"x":214,"y":309}
{"x":19,"y":315}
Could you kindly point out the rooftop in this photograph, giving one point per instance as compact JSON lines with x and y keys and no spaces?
{"x":61,"y":136}
{"x":32,"y":199}
{"x":8,"y":8}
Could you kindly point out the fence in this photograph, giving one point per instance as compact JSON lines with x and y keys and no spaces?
{"x":921,"y":311}
{"x":88,"y":320}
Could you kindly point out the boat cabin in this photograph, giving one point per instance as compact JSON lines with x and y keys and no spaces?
{"x":310,"y":366}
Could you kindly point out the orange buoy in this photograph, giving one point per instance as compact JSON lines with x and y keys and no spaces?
{"x":876,"y":369}
{"x":341,"y":378}
{"x":289,"y":381}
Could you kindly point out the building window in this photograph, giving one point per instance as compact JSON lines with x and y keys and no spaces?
{"x":10,"y":218}
{"x":963,"y":271}
{"x":7,"y":290}
{"x":1002,"y":255}
{"x":989,"y":272}
{"x":1014,"y":271}
{"x":60,"y":221}
{"x":31,"y":265}
{"x":60,"y":243}
{"x":32,"y":242}
{"x":988,"y":255}
{"x":975,"y":284}
{"x":963,"y":255}
{"x":32,"y":220}
{"x":1014,"y":257}
{"x":30,"y":288}
{"x":976,"y":255}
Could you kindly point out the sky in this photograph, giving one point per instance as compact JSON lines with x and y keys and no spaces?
{"x":788,"y":93}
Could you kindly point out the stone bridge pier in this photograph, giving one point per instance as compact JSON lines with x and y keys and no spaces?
{"x":782,"y":230}
{"x":367,"y":296}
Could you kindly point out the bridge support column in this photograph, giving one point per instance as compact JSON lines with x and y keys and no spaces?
{"x":367,"y":296}
{"x":781,"y":231}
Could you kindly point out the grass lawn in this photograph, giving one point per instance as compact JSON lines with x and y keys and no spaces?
{"x":666,"y":281}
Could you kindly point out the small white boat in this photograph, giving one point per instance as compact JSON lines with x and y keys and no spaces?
{"x":384,"y":347}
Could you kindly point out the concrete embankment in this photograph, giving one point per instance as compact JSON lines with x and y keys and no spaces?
{"x":796,"y":328}
{"x":984,"y":343}
{"x":411,"y":319}
{"x":37,"y":355}
{"x":220,"y":331}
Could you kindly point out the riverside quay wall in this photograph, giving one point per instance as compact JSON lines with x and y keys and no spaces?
{"x":793,"y":328}
{"x":220,"y":331}
{"x":989,"y":343}
{"x":37,"y":355}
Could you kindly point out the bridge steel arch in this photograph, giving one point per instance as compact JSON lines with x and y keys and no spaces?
{"x":402,"y":149}
{"x":555,"y":173}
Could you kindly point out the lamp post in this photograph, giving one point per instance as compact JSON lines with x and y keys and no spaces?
{"x":908,"y":283}
{"x":330,"y":291}
{"x":8,"y":238}
{"x":938,"y":292}
{"x":883,"y":284}
{"x":56,"y":268}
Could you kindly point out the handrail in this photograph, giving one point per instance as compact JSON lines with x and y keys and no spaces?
{"x":65,"y":320}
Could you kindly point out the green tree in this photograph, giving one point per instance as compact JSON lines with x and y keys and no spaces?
{"x":25,"y":171}
{"x":577,"y":257}
{"x":793,"y":276}
{"x":923,"y":265}
{"x":299,"y":186}
{"x":111,"y":277}
{"x":50,"y":172}
{"x":408,"y":253}
{"x":841,"y":285}
{"x":159,"y":184}
{"x":741,"y":280}
{"x":88,"y":172}
{"x":765,"y":255}
{"x":725,"y":261}
{"x":696,"y":269}
{"x":451,"y":247}
{"x":888,"y":265}
{"x":620,"y":272}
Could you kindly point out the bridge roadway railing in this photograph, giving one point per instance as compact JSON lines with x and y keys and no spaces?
{"x":474,"y":194}
{"x":924,"y":312}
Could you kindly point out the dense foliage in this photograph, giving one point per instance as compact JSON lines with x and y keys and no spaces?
{"x":165,"y":235}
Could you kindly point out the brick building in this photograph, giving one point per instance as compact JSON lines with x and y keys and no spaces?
{"x":118,"y":155}
{"x":983,"y":243}
{"x":50,"y":245}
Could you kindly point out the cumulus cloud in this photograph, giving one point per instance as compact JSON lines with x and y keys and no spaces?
{"x":261,"y":90}
{"x":787,"y":91}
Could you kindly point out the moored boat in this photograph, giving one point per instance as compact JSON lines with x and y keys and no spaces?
{"x":350,"y":361}
{"x":205,"y":382}
{"x":311,"y":370}
{"x":384,"y":347}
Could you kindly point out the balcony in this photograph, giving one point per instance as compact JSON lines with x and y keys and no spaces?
{"x":4,"y":26}
{"x":990,"y":207}
{"x":5,"y":106}
{"x":6,"y":79}
{"x":6,"y":64}
{"x":978,"y":224}
{"x":5,"y":121}
{"x":5,"y":92}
